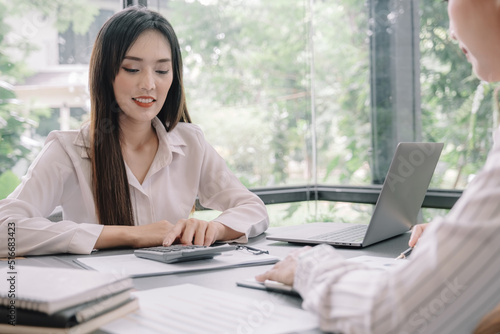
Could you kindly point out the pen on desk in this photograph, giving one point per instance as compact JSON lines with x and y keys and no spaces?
{"x":405,"y":253}
{"x":253,"y":250}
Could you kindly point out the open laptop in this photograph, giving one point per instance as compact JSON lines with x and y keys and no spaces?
{"x":395,"y":212}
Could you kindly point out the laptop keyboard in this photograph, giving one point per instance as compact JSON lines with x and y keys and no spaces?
{"x":349,"y":234}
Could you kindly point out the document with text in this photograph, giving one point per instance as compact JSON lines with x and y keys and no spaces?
{"x":193,"y":309}
{"x":133,"y":266}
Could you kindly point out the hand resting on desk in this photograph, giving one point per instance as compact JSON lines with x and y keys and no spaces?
{"x":187,"y":231}
{"x":283,"y":271}
{"x":198,"y":232}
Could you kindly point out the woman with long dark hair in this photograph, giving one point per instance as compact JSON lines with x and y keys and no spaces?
{"x":131,"y":177}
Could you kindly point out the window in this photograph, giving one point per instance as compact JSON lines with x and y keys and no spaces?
{"x":75,"y":47}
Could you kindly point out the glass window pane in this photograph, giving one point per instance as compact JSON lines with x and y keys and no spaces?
{"x":457,"y":108}
{"x":44,"y":53}
{"x":246,"y":79}
{"x":342,"y":92}
{"x":288,"y":214}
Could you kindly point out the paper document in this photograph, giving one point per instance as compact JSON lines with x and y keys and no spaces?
{"x":193,"y":309}
{"x":133,"y":266}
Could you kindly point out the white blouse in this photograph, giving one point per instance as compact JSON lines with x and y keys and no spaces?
{"x":185,"y":167}
{"x":449,"y":283}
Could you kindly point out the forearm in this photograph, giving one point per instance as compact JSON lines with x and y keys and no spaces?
{"x":247,"y":219}
{"x":39,"y":236}
{"x":226,"y":233}
{"x":148,"y":235}
{"x":115,"y":236}
{"x":35,"y":235}
{"x":337,"y":290}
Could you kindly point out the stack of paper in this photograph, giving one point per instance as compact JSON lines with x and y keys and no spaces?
{"x":53,"y":300}
{"x":193,"y":309}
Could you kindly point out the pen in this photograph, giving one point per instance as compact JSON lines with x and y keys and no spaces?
{"x":405,"y":253}
{"x":253,"y":250}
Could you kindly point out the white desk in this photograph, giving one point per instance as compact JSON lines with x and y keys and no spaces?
{"x":225,"y":279}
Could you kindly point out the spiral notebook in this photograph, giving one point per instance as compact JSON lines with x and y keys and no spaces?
{"x":50,"y":290}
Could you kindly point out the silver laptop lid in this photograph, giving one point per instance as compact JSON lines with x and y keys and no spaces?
{"x":404,"y":190}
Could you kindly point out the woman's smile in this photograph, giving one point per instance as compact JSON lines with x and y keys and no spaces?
{"x":144,"y":101}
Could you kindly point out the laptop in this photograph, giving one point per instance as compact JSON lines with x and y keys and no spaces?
{"x":395,"y":212}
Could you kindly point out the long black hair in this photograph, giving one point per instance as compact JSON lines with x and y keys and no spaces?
{"x":109,"y":177}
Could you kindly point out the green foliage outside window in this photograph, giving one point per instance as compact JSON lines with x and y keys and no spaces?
{"x":16,"y":33}
{"x":254,"y":70}
{"x":457,"y":108}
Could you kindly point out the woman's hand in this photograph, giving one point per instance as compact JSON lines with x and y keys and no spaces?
{"x":283,"y":271}
{"x":416,"y":232}
{"x":187,"y":231}
{"x":199,"y":232}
